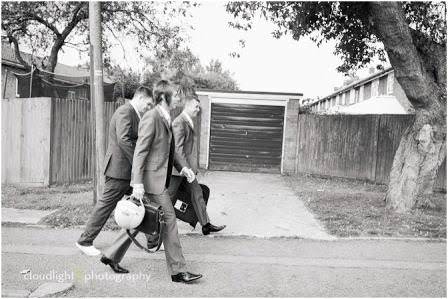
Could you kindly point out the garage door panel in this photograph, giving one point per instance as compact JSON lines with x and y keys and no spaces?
{"x":250,"y":122}
{"x":233,"y":109}
{"x":248,"y":160}
{"x":242,"y":143}
{"x":242,"y":128}
{"x":245,"y":137}
{"x":265,"y":153}
{"x":268,"y":136}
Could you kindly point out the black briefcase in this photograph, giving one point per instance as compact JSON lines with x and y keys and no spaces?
{"x":151,"y":224}
{"x":182,"y":203}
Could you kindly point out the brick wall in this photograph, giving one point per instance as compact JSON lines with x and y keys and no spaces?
{"x":205,"y":121}
{"x":290,"y":140}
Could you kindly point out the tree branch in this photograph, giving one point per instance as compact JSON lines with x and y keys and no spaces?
{"x":75,"y":20}
{"x":434,"y":55}
{"x":30,"y":17}
{"x":17,"y":51}
{"x":390,"y":26}
{"x":60,"y":40}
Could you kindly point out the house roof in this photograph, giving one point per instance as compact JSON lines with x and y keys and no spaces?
{"x":356,"y":84}
{"x":63,"y":72}
{"x":203,"y":90}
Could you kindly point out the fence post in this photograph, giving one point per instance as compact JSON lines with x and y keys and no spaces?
{"x":375,"y":157}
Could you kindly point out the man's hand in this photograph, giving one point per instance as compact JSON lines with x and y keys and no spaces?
{"x":188,"y":173}
{"x":138,"y":191}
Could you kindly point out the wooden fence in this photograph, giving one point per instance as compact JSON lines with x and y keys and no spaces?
{"x":26,"y":141}
{"x":71,"y":140}
{"x":353,"y":146}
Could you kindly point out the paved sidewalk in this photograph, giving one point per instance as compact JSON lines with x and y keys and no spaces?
{"x":232,"y":266}
{"x":26,"y":216}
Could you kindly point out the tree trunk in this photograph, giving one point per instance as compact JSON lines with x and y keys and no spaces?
{"x":421,"y":151}
{"x":420,"y":69}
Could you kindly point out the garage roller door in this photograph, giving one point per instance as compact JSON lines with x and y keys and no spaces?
{"x":246,"y":137}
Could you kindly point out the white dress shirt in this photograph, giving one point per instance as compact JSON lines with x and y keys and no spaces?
{"x":138,"y":113}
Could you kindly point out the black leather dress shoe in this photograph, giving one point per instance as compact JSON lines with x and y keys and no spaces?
{"x":185,"y":277}
{"x":115,"y":266}
{"x":210,"y":228}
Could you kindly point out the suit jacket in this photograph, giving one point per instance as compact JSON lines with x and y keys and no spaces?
{"x":123,"y":133}
{"x":184,"y":140}
{"x":154,"y":153}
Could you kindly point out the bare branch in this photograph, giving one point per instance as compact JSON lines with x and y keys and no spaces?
{"x":32,"y":17}
{"x":17,"y":51}
{"x":75,"y":20}
{"x":119,"y":41}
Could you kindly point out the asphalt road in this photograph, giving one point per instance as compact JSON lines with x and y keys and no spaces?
{"x":231,"y":267}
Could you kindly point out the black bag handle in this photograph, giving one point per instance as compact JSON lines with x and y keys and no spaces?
{"x":137,"y":243}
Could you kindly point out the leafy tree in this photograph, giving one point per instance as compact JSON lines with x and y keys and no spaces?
{"x":184,"y":69}
{"x":48,"y":27}
{"x":127,"y":81}
{"x":413,"y":36}
{"x":215,"y":77}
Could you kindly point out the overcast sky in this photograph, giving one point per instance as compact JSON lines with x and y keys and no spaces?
{"x":265,"y":63}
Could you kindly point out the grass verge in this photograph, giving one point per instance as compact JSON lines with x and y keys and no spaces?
{"x":350,"y":208}
{"x":73,"y":203}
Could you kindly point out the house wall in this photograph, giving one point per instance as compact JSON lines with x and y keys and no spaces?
{"x":9,"y":82}
{"x":386,"y":85}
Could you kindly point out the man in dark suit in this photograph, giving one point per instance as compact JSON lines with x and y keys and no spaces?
{"x":184,"y":133}
{"x":123,"y":133}
{"x":151,"y":173}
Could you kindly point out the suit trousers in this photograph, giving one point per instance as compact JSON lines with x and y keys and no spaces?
{"x":175,"y":260}
{"x":197,"y":198}
{"x":114,"y":190}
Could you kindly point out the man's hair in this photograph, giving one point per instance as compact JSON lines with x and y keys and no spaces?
{"x":163,"y":90}
{"x":143,"y":90}
{"x":191,"y":98}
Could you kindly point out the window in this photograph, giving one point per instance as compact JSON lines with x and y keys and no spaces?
{"x":356,"y":94}
{"x":71,"y":94}
{"x":382,"y":86}
{"x":367,"y":91}
{"x":347,"y":98}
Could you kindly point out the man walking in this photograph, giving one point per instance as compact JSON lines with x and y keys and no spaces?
{"x":123,"y":133}
{"x":184,"y":133}
{"x":151,"y":173}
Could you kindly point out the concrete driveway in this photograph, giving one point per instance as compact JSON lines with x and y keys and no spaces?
{"x":257,"y":204}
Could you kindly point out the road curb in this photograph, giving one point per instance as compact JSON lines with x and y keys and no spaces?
{"x":242,"y":236}
{"x":49,"y":289}
{"x":439,"y":240}
{"x":13,"y":293}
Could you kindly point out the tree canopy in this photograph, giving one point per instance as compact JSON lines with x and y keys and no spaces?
{"x":350,"y":24}
{"x":182,"y":67}
{"x":48,"y":27}
{"x":185,"y":70}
